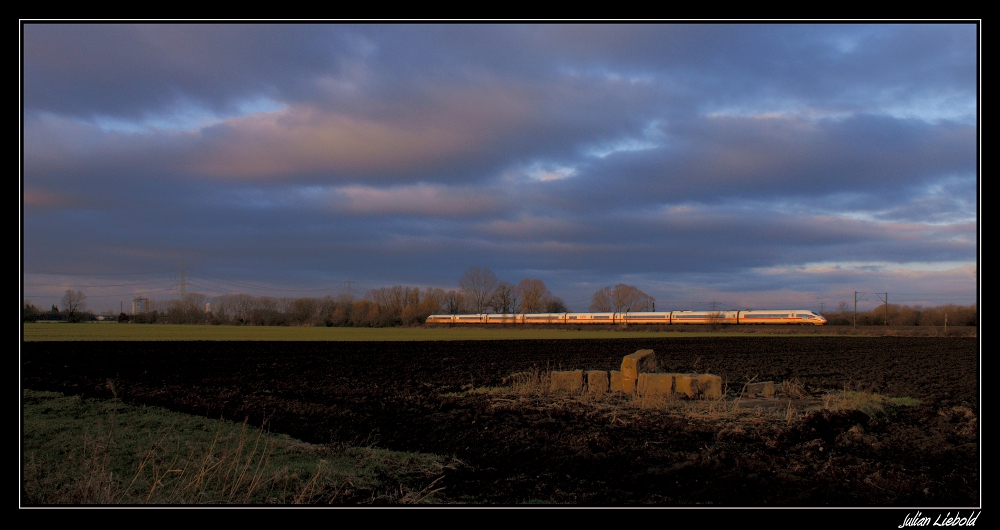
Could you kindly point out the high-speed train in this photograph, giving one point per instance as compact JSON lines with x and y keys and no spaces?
{"x":757,"y":316}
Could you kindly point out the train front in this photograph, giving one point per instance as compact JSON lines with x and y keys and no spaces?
{"x":816,"y":318}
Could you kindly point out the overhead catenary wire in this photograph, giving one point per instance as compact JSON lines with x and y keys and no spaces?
{"x":53,"y":273}
{"x":139,"y":283}
{"x":210,"y":282}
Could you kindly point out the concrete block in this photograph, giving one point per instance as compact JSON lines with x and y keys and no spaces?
{"x":762,"y":389}
{"x":656,"y":384}
{"x":569,"y":381}
{"x":682,"y":385}
{"x":707,"y":386}
{"x":616,"y":381}
{"x":698,"y":386}
{"x":642,"y":361}
{"x":628,"y":385}
{"x":597,"y":381}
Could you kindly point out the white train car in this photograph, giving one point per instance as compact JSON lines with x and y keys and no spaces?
{"x":591,"y":318}
{"x":704,"y":317}
{"x":504,"y":319}
{"x":781,"y":316}
{"x":544,"y":318}
{"x":646,"y":317}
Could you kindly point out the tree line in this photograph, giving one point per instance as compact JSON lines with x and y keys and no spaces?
{"x":74,"y":309}
{"x":897,"y":315}
{"x":480,"y":292}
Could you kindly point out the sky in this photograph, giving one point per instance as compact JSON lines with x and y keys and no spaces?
{"x":709,"y":165}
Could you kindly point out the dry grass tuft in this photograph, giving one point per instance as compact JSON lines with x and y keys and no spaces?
{"x":876,"y":405}
{"x":533,"y":382}
{"x":792,"y":389}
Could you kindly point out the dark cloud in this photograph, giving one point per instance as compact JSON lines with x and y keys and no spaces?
{"x":133,"y":70}
{"x":770,"y":158}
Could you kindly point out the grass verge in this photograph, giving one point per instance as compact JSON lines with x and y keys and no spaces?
{"x":77,"y":451}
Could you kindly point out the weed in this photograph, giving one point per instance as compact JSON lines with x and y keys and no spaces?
{"x":793,"y":389}
{"x":531,"y":382}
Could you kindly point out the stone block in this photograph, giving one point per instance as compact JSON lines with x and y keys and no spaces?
{"x":568,"y":381}
{"x":707,"y":386}
{"x":761,"y":389}
{"x":656,"y":384}
{"x":597,"y":381}
{"x":642,"y":361}
{"x":682,"y":385}
{"x":628,"y":385}
{"x":698,"y":386}
{"x":616,"y":381}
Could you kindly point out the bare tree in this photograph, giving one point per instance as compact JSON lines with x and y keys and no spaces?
{"x":417,"y":311}
{"x":266,"y":312}
{"x":534,"y":295}
{"x":478,"y":284}
{"x":392,"y":300}
{"x":303,"y":312}
{"x":240,"y":307}
{"x":628,"y":298}
{"x":389,"y":300}
{"x":74,"y":303}
{"x":187,"y":310}
{"x":620,"y":299}
{"x":434,"y":297}
{"x":454,"y":302}
{"x":335,"y":312}
{"x":601,"y":300}
{"x":555,"y":305}
{"x":504,"y":299}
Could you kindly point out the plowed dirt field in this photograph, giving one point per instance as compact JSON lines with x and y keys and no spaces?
{"x":449,"y":398}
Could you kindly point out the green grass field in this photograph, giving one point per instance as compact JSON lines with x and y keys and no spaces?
{"x":46,"y":331}
{"x":82,"y":451}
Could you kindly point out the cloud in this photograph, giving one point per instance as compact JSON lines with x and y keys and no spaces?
{"x":127,"y":71}
{"x":420,"y":200}
{"x":304,"y":141}
{"x":532,"y":228}
{"x":714,"y":159}
{"x":38,"y":198}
